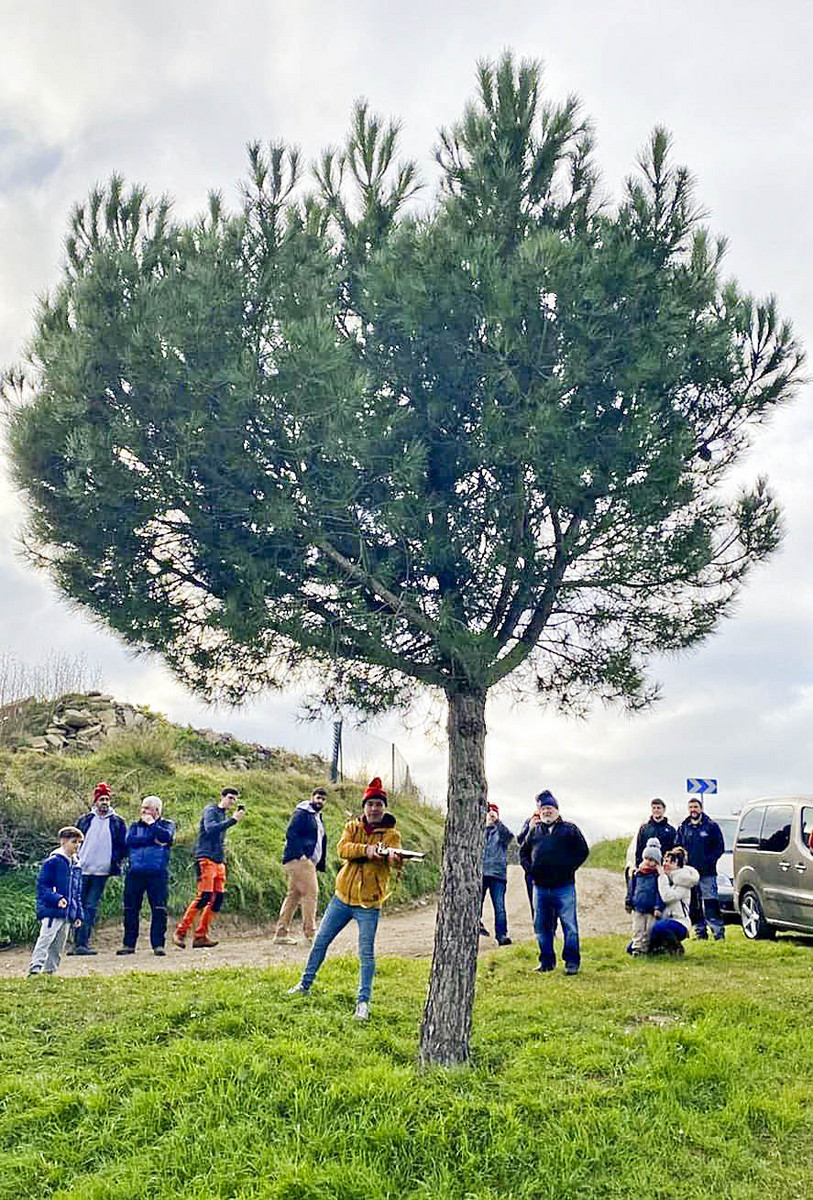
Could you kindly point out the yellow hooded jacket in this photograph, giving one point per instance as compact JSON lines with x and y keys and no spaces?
{"x":364,"y":881}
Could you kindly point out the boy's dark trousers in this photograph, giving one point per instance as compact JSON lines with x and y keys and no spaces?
{"x":155,"y":884}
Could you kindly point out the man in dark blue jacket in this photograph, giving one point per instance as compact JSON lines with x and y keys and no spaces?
{"x":100,"y":856}
{"x":305,"y":853}
{"x":703,"y":841}
{"x":656,"y":827}
{"x":59,"y":901}
{"x":495,"y":873}
{"x":210,"y":869}
{"x":557,"y":849}
{"x":148,"y":842}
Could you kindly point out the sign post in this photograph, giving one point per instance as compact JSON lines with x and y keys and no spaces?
{"x":701,"y":787}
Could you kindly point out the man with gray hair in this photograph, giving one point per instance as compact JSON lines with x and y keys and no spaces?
{"x":556,"y":849}
{"x":148,"y":842}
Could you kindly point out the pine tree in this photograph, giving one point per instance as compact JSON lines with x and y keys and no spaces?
{"x":337,"y":432}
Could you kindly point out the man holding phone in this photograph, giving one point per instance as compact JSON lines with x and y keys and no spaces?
{"x":210,"y":868}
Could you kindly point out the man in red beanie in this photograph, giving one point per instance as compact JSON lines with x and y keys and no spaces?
{"x":100,"y":856}
{"x":369,"y":846}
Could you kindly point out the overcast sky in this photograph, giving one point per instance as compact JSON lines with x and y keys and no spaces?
{"x":169,"y":93}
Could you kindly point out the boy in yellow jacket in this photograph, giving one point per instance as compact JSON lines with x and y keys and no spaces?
{"x":369,"y":846}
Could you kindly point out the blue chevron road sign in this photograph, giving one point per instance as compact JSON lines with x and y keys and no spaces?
{"x":700,"y":787}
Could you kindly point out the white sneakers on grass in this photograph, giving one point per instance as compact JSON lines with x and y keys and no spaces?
{"x":362,"y":1012}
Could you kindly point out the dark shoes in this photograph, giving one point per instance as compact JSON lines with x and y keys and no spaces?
{"x":159,"y":952}
{"x":126,"y":950}
{"x":179,"y":941}
{"x":484,"y":932}
{"x":82,"y":950}
{"x":506,"y":941}
{"x":204,"y":943}
{"x":571,"y":969}
{"x":543,"y":970}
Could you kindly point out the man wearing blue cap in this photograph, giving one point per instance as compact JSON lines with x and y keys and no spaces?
{"x":556,"y":849}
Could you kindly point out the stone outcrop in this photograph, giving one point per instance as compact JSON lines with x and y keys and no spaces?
{"x":80,"y":724}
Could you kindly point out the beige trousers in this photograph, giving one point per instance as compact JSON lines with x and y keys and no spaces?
{"x":641,"y":925}
{"x":303,"y":891}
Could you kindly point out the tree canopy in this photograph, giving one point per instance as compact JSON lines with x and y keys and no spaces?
{"x":402,"y":438}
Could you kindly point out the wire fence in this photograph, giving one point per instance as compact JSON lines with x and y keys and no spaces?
{"x":360,"y":755}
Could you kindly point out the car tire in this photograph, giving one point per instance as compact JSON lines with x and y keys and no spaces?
{"x":752,"y":918}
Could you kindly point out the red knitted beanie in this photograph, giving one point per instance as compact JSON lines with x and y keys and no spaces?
{"x":101,"y":789}
{"x":375,"y":791}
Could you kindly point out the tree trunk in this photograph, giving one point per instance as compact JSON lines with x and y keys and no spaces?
{"x":447,"y":1017}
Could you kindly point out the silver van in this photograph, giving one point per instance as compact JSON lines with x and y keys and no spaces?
{"x":773,"y":866}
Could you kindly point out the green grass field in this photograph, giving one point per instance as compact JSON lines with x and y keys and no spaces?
{"x":686,"y":1079}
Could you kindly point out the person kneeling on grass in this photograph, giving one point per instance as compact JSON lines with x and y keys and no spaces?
{"x":369,"y":846}
{"x":675,"y":882}
{"x":59,"y":901}
{"x":643,"y":898}
{"x":148,"y":842}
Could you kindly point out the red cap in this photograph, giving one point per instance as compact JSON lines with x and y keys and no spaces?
{"x":375,"y":791}
{"x":101,"y":789}
{"x":493,"y":808}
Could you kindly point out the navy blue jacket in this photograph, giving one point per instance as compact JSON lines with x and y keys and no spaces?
{"x":642,"y":892}
{"x":703,"y":843}
{"x":118,"y":837}
{"x":212,"y":832}
{"x":301,"y":837}
{"x":148,"y":845}
{"x":59,"y":879}
{"x":557,"y":851}
{"x":495,"y":850}
{"x":662,"y":830}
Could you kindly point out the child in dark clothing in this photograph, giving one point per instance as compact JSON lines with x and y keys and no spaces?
{"x":643,"y":898}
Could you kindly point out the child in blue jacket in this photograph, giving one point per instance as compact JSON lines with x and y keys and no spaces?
{"x":643,"y":898}
{"x":59,"y":901}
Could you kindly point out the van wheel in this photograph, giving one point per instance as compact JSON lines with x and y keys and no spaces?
{"x":752,"y":918}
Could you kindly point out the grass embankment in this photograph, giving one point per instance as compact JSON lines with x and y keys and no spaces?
{"x":38,"y":793}
{"x":652,"y":1078}
{"x":609,"y":854}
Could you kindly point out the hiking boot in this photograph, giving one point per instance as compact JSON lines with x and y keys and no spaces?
{"x":297,"y":990}
{"x":284,"y":941}
{"x":204,"y":943}
{"x":506,"y":941}
{"x":159,"y":951}
{"x":179,"y":940}
{"x":82,"y":950}
{"x":126,"y":950}
{"x":572,"y":969}
{"x":362,"y":1012}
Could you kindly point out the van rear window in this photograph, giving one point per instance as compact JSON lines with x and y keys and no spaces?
{"x":750,"y":829}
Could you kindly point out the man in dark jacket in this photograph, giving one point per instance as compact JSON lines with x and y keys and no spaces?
{"x":495,"y":873}
{"x":656,"y":827}
{"x":557,"y":849}
{"x":148,"y":842}
{"x":210,"y":868}
{"x":703,"y":841}
{"x":59,"y":901}
{"x":100,"y":856}
{"x":305,"y":853}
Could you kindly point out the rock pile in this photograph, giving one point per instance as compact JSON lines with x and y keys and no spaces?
{"x":82,"y":723}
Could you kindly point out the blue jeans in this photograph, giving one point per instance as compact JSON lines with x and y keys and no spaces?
{"x":92,"y":889}
{"x":705,"y":908}
{"x":666,"y":932}
{"x":550,"y":905}
{"x":496,"y":887}
{"x":337,"y":915}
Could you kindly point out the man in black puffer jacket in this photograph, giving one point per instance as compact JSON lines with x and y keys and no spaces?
{"x":557,"y":849}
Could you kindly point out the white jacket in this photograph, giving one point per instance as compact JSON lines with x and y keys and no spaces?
{"x":675,"y":890}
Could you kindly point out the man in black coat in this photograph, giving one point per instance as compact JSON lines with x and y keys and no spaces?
{"x":656,"y":827}
{"x":703,"y":841}
{"x":557,"y":849}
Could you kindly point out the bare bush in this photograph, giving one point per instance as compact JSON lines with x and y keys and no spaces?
{"x":24,"y":685}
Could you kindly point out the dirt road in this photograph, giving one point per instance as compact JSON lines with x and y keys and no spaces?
{"x":407,"y":933}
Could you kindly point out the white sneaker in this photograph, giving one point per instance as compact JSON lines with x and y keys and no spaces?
{"x":297,"y":990}
{"x":284,"y":941}
{"x":362,"y":1012}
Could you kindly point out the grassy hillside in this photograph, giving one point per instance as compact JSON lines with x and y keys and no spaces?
{"x":41,"y":792}
{"x":657,"y":1078}
{"x":609,"y":854}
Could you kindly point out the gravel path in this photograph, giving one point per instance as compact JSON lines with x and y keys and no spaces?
{"x":407,"y":933}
